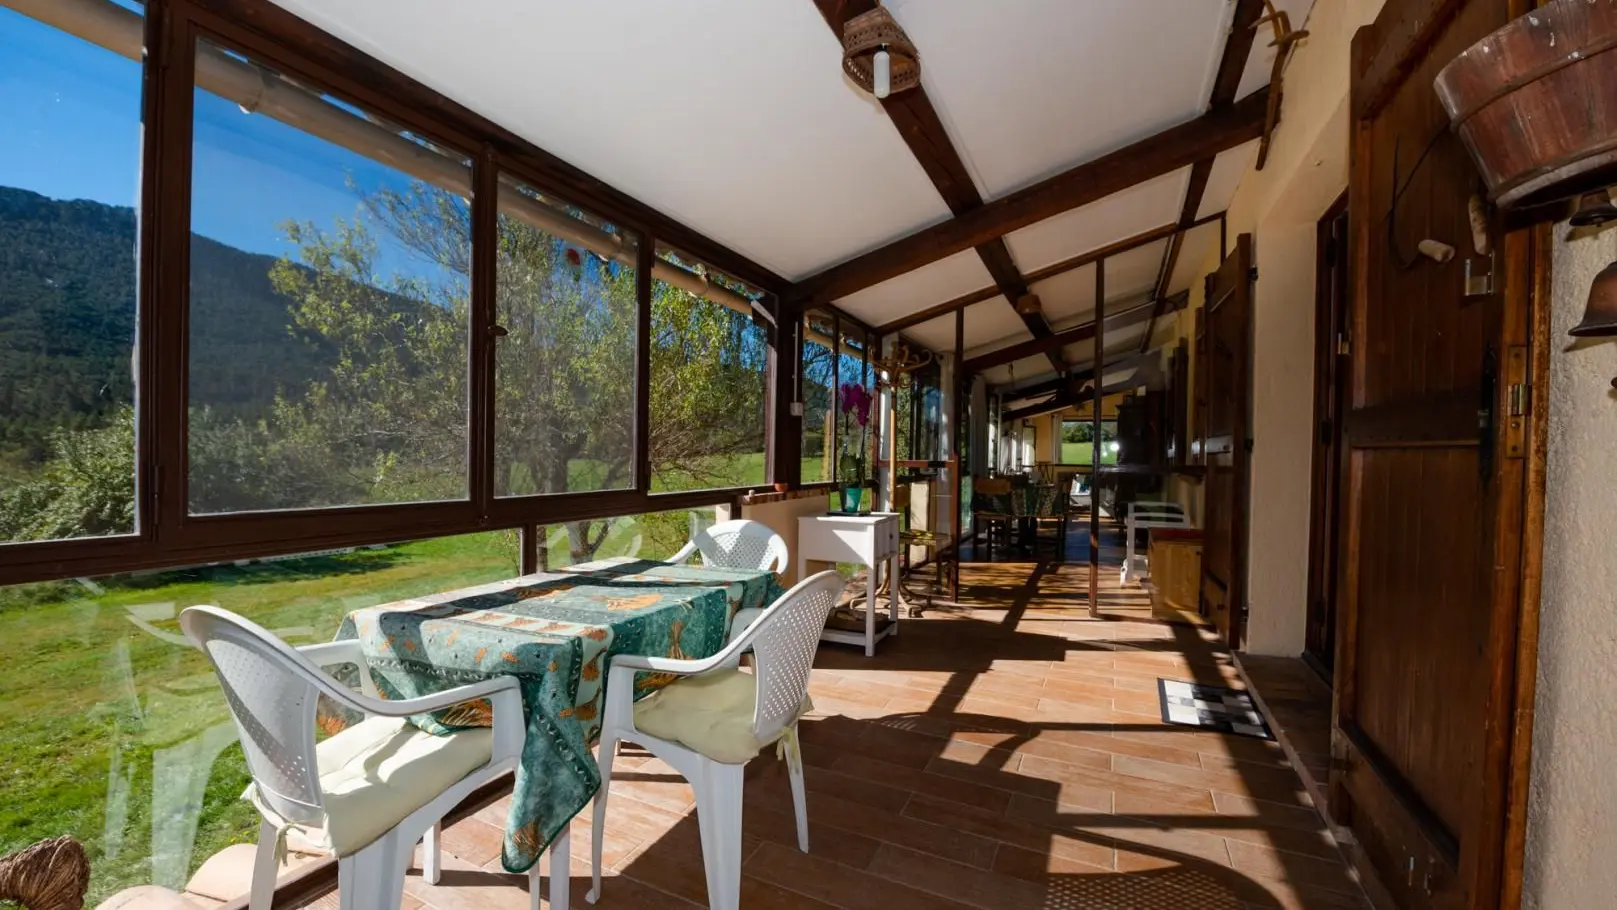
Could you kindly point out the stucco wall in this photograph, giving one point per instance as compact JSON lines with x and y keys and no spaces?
{"x":1572,"y":818}
{"x":1280,"y":206}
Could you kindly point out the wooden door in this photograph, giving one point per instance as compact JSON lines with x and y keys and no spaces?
{"x":1330,"y":387}
{"x":1429,"y":581}
{"x":1226,"y":376}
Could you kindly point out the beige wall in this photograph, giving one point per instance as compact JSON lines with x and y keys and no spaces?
{"x":782,"y":517}
{"x":1572,"y":815}
{"x":1280,"y":206}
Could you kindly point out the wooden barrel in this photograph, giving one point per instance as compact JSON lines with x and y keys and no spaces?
{"x":1536,"y":103}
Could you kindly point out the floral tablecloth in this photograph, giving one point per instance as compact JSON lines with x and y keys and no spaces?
{"x":554,"y":632}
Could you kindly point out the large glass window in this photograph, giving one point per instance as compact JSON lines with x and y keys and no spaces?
{"x":709,"y":376}
{"x":117,"y":733}
{"x":819,"y":397}
{"x":329,"y":305}
{"x":653,"y":535}
{"x":69,"y":185}
{"x":564,"y":368}
{"x":1078,"y":439}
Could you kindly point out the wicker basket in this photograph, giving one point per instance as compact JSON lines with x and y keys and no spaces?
{"x":1536,"y":103}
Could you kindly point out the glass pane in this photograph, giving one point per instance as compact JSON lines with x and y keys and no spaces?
{"x":654,"y":535}
{"x":1077,"y":442}
{"x":329,"y":301}
{"x":564,"y":372}
{"x":856,"y":410}
{"x":69,"y":199}
{"x":708,"y":379}
{"x":820,"y":380}
{"x":117,"y":732}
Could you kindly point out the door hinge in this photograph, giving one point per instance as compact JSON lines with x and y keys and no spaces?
{"x":1344,"y":347}
{"x":1252,"y":274}
{"x":1518,"y":401}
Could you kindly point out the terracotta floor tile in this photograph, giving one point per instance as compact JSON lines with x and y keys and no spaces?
{"x":837,"y":885}
{"x":1282,"y":785}
{"x":1079,"y":776}
{"x":911,"y":781}
{"x":473,"y":840}
{"x":978,"y":887}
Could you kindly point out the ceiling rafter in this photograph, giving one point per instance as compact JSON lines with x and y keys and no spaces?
{"x":918,"y":123}
{"x":1088,"y":257}
{"x":1226,"y":82}
{"x":1083,"y":332}
{"x":1163,"y":153}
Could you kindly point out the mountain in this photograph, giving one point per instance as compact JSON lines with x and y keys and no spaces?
{"x":67,"y":321}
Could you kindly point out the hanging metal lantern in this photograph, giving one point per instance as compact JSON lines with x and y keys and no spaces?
{"x":877,"y":55}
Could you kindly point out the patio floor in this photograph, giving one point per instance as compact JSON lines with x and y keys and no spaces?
{"x":990,"y":758}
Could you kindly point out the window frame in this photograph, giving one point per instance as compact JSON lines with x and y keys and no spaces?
{"x":166,"y":535}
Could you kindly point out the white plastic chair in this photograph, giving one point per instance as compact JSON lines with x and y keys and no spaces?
{"x":783,"y":641}
{"x":740,"y":544}
{"x":370,"y":792}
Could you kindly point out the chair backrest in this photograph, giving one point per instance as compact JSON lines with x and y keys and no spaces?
{"x":783,"y":641}
{"x":741,"y":544}
{"x":273,"y":692}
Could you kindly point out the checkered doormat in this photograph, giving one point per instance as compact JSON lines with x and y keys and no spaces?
{"x":1214,"y":708}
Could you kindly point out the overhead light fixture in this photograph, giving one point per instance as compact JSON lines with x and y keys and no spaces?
{"x":1594,"y":209}
{"x":1028,"y":305}
{"x":878,"y":56}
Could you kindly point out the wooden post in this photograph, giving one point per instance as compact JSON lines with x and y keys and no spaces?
{"x":1095,"y":442}
{"x":962,"y":389}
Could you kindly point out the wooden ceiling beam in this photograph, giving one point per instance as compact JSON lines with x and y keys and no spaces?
{"x":1163,"y":153}
{"x":1089,"y":257}
{"x":1074,"y":335}
{"x":1231,"y":66}
{"x":918,"y":123}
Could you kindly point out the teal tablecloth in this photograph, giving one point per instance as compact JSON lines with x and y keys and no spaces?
{"x":554,"y":632}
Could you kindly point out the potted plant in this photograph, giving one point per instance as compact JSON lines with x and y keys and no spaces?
{"x":853,"y":400}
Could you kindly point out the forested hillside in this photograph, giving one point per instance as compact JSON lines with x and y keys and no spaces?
{"x":67,"y":322}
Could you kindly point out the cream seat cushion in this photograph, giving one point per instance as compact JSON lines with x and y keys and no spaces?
{"x":710,"y":714}
{"x":377,"y":772}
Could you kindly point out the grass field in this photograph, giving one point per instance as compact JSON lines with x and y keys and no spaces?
{"x":117,"y":732}
{"x":1080,"y":453}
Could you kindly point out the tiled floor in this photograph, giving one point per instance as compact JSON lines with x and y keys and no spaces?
{"x":1004,"y":759}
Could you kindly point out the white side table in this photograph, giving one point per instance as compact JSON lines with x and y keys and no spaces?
{"x":868,"y":540}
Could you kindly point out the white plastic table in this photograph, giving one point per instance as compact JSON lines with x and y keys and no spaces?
{"x":1148,"y":515}
{"x":867,"y":540}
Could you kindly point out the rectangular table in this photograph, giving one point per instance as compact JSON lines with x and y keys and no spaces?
{"x":554,"y":632}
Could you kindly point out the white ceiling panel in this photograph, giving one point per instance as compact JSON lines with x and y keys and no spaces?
{"x":1134,"y":211}
{"x":1199,"y":245}
{"x":1029,"y":88}
{"x":927,"y":286}
{"x":732,"y":116}
{"x":937,"y":334}
{"x":1228,"y":170}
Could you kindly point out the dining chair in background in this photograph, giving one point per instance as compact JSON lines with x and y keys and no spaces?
{"x":718,"y":717}
{"x":370,"y":792}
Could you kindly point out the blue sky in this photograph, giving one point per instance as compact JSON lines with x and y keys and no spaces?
{"x":73,"y":115}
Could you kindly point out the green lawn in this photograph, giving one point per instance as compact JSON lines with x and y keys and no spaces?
{"x":1080,"y":453}
{"x":118,"y":733}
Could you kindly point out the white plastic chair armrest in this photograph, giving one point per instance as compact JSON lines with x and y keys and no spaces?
{"x":642,"y":664}
{"x":684,"y":555}
{"x":438,"y":701}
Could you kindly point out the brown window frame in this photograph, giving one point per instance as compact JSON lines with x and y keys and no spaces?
{"x":166,"y":534}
